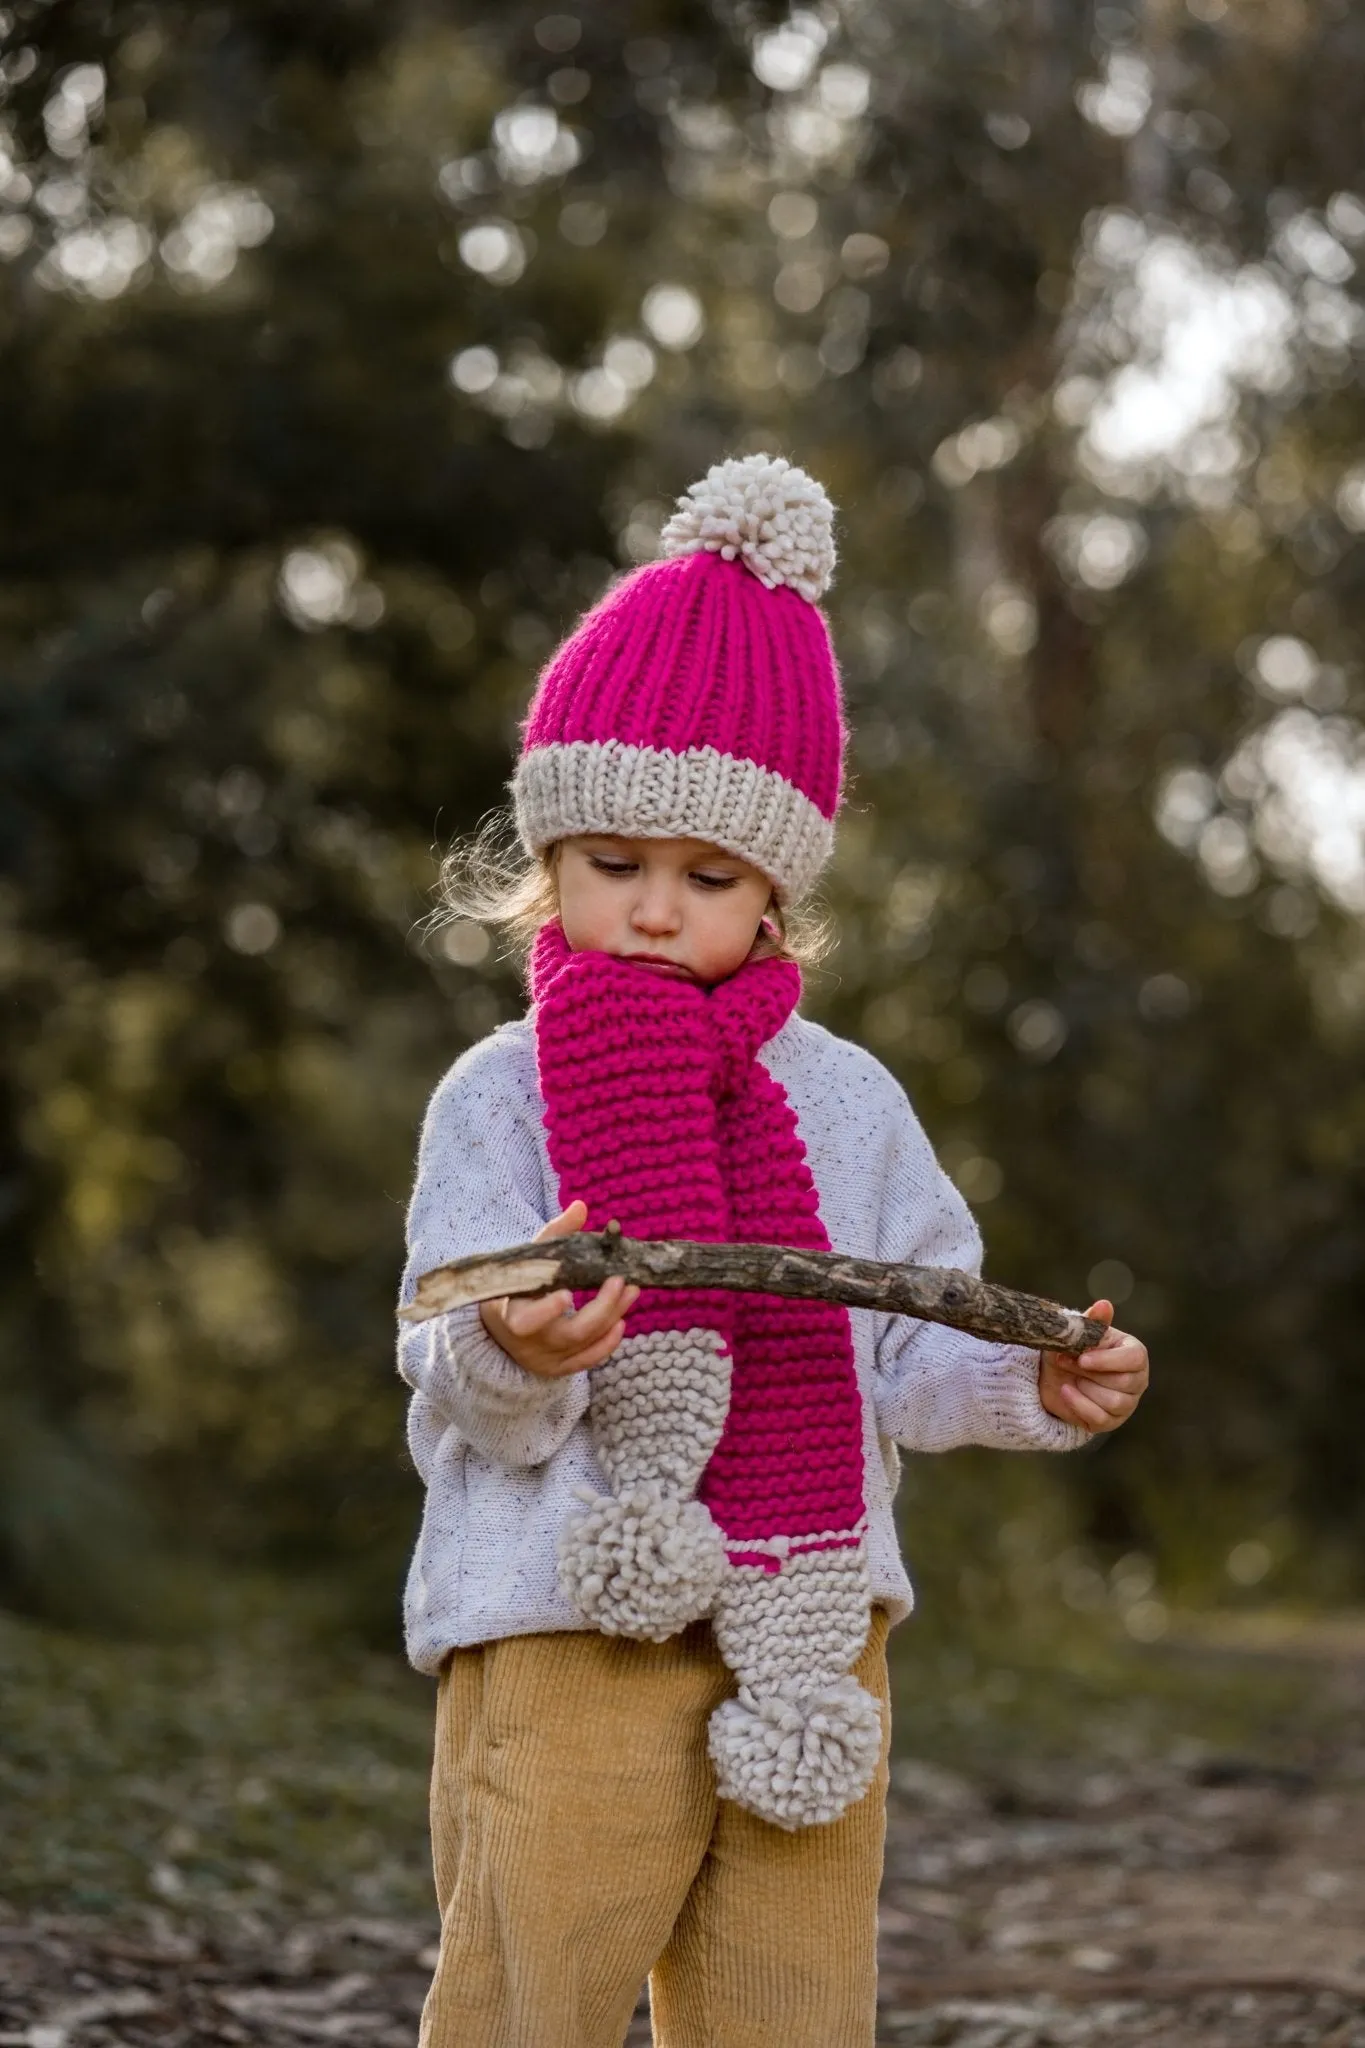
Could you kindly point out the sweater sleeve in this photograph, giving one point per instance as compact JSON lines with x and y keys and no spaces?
{"x":480,"y":1187}
{"x":937,"y":1388}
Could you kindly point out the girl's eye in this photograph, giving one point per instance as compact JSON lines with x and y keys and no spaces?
{"x":715,"y":881}
{"x":607,"y":866}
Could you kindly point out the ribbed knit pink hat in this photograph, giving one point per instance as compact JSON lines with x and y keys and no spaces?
{"x":700,"y":698}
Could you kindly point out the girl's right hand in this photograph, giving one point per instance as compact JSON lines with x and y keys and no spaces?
{"x":545,"y":1334}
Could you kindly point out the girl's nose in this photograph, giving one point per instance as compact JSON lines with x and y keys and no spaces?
{"x":655,"y":912}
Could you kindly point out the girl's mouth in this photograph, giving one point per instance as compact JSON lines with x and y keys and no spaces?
{"x":660,"y":965}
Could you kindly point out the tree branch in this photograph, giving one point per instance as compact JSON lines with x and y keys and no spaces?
{"x":583,"y":1261}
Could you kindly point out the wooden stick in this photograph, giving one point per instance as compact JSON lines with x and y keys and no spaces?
{"x":936,"y":1294}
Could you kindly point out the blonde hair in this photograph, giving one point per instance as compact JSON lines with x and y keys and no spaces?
{"x":489,"y":878}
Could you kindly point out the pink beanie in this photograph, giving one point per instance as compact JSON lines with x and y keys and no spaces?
{"x":700,"y":698}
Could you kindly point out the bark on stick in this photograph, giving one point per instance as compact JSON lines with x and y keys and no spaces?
{"x":935,"y":1294}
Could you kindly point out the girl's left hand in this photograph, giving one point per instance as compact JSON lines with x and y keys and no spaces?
{"x":1100,"y":1388}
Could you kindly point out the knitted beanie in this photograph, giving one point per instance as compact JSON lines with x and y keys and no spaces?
{"x":700,"y":698}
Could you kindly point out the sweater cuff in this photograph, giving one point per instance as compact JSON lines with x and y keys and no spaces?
{"x":481,"y":1365}
{"x":505,"y":1414}
{"x":1007,"y":1390}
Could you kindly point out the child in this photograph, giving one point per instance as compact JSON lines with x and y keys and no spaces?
{"x":658,"y":1561}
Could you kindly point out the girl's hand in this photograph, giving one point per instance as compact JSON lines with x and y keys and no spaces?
{"x":1102,"y":1387}
{"x":546,"y":1334}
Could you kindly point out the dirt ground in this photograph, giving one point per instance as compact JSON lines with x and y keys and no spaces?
{"x":1217,"y":1902}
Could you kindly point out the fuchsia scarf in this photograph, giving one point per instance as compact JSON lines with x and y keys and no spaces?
{"x":729,"y":1426}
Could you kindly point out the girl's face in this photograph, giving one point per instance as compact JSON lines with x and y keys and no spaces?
{"x":685,"y":907}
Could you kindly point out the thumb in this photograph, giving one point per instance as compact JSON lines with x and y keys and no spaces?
{"x":570,"y":1219}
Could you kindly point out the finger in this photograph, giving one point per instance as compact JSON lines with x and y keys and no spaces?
{"x":1083,"y":1408}
{"x":1099,"y":1312}
{"x":1116,"y":1358}
{"x":570,"y":1219}
{"x":1127,"y":1359}
{"x":1079,"y":1409}
{"x":1103,"y":1312}
{"x":595,"y":1354}
{"x":1132,"y":1385}
{"x":613,"y":1300}
{"x":1091,"y":1383}
{"x":1113,"y":1400}
{"x":529,"y":1314}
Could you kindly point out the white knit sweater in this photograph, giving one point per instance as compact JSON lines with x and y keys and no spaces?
{"x":500,"y":1451}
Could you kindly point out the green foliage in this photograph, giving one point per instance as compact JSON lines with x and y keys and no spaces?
{"x":345,"y":354}
{"x":264,"y":1768}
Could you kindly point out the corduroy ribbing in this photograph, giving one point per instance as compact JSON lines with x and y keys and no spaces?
{"x":579,"y":1846}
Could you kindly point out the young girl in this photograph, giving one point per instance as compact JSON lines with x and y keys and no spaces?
{"x":658,"y":1561}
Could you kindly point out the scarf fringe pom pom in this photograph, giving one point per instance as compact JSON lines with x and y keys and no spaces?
{"x":644,"y":1563}
{"x":793,"y":1756}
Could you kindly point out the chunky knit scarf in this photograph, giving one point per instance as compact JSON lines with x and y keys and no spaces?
{"x":729,"y":1427}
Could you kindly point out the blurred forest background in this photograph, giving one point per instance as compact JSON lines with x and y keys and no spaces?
{"x":346,"y":352}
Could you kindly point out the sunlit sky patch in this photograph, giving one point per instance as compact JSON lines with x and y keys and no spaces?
{"x":1306,"y":775}
{"x":1297,"y":791}
{"x":1171,"y":338}
{"x":1197,"y":334}
{"x":1171,"y":334}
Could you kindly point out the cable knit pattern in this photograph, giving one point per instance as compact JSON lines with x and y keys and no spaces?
{"x":660,"y":1116}
{"x":501,"y":1454}
{"x":700,"y":697}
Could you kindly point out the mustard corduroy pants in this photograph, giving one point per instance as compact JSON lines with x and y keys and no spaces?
{"x":579,"y":1847}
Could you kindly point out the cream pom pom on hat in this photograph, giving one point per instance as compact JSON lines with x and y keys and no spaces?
{"x":700,"y":699}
